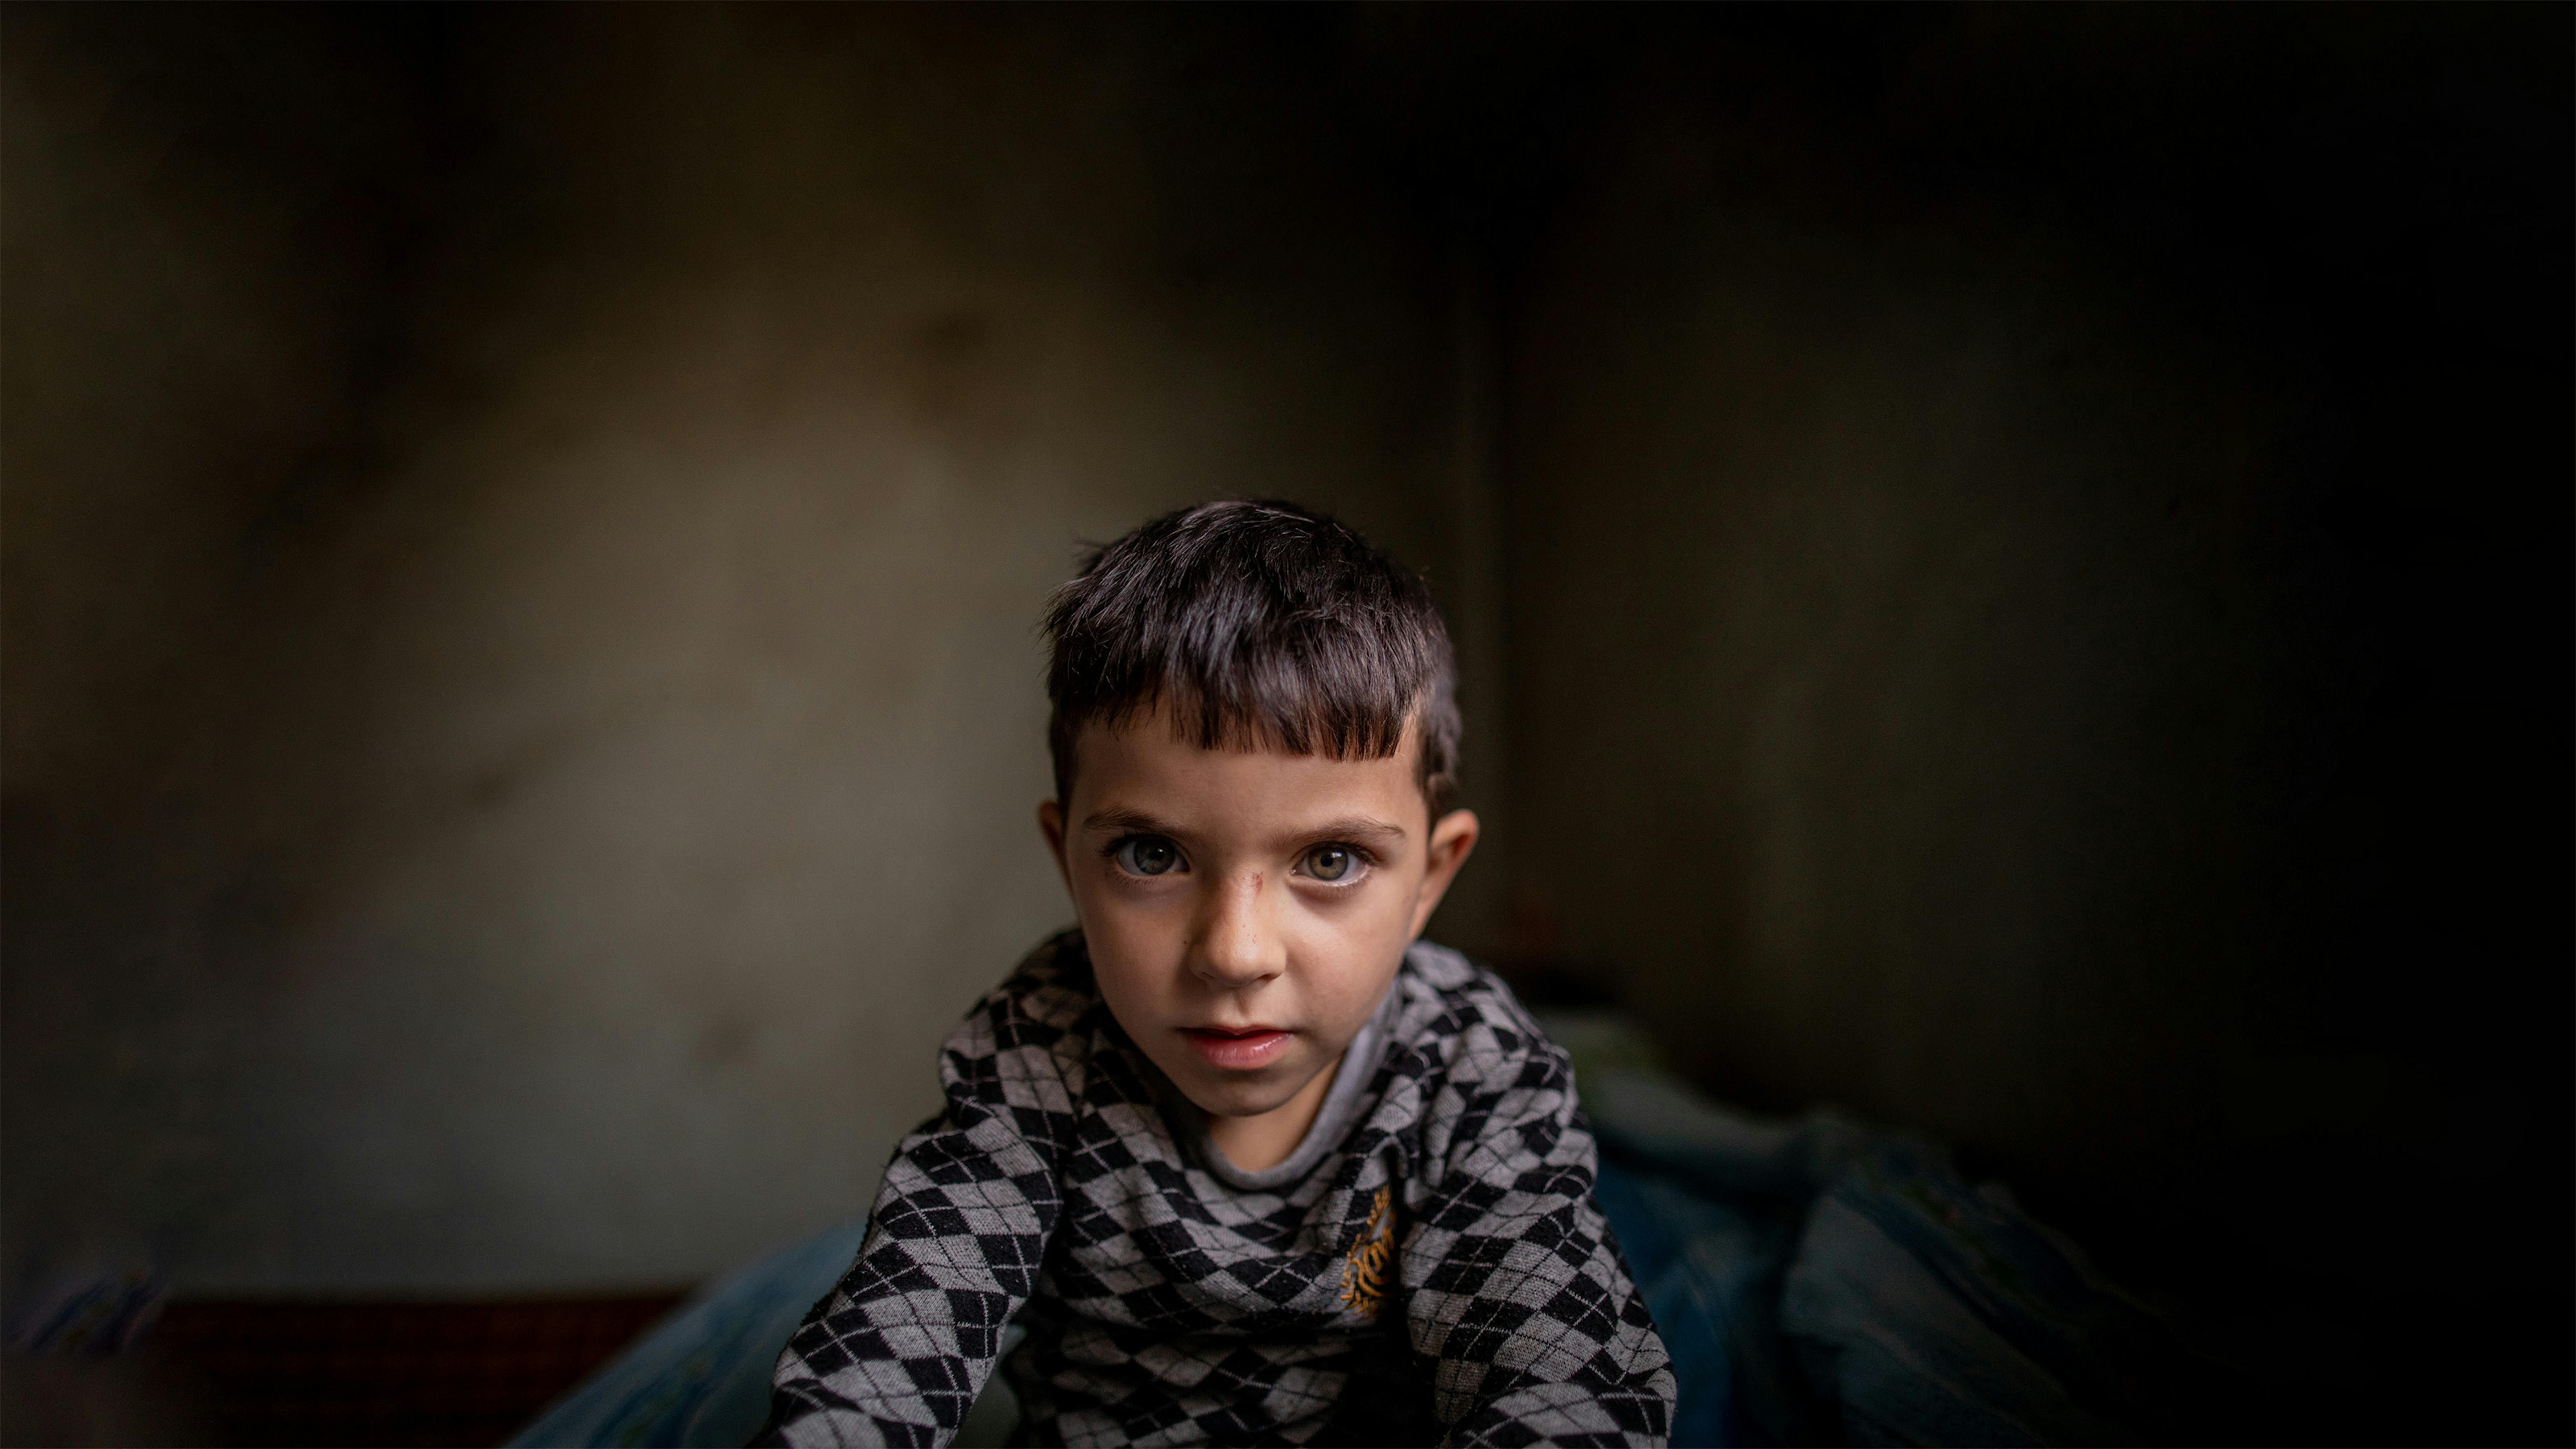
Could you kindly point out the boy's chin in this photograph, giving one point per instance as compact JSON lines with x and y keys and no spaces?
{"x":1239,"y":1097}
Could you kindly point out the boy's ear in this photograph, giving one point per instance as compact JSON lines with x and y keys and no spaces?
{"x":1051,"y":825}
{"x":1453,"y":838}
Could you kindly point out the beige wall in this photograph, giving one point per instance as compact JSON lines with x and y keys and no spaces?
{"x":1891,"y":592}
{"x":579,"y":802}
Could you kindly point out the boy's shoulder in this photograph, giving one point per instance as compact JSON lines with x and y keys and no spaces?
{"x":1044,"y":1009}
{"x":1464,"y":1019}
{"x":1052,"y":987}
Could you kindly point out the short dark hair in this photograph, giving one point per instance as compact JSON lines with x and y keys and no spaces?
{"x":1257,"y":624}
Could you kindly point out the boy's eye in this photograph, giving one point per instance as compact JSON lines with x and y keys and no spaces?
{"x":1146,"y":855}
{"x":1330,"y":862}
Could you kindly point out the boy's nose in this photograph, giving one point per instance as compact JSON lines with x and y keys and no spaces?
{"x":1238,"y":944}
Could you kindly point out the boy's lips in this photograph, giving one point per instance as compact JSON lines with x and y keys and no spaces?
{"x":1237,"y":1049}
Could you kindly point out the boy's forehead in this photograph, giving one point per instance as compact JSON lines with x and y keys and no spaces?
{"x":1149,"y":764}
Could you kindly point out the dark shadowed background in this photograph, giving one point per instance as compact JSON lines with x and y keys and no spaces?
{"x":2012,"y":567}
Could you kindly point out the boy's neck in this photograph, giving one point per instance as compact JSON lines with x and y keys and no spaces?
{"x":1259,"y":1143}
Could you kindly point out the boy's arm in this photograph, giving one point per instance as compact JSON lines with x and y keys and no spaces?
{"x":1515,"y":1292}
{"x":898,"y":1351}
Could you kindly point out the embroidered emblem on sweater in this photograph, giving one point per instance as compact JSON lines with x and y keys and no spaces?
{"x":1364,"y":1275}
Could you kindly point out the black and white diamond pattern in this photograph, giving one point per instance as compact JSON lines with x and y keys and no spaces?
{"x":1168,"y":1308}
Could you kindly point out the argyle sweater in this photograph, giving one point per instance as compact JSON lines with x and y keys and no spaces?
{"x":1435,"y":1272}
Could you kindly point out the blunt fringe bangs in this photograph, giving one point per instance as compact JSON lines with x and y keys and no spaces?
{"x":1257,"y":625}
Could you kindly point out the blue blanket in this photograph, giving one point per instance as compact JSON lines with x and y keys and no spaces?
{"x":1816,"y":1282}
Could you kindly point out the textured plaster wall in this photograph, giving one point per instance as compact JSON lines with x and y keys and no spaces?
{"x":1897,"y":706}
{"x":516,"y":757}
{"x":2027,"y":659}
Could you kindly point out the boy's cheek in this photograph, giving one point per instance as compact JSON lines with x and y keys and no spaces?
{"x":1137,"y":961}
{"x":1132,"y":932}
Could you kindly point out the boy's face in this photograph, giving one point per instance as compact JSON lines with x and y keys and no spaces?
{"x":1246,"y":909}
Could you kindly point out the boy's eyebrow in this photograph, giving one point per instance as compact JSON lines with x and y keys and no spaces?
{"x":1136,"y":821}
{"x":1356,"y":827}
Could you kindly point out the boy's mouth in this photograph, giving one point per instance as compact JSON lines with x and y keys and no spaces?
{"x":1237,"y":1049}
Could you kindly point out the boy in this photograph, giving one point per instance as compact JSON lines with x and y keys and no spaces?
{"x":1252,"y":1163}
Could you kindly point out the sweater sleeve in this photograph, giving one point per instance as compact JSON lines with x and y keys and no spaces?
{"x":1516,"y":1294}
{"x":897,"y":1352}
